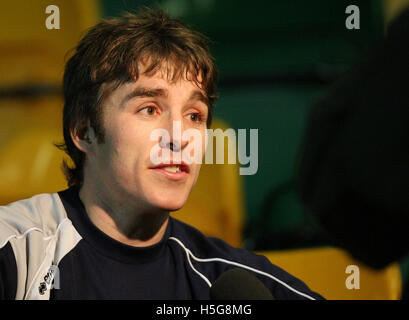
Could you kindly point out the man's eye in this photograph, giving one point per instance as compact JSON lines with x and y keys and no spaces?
{"x":150,"y":110}
{"x":196,"y":117}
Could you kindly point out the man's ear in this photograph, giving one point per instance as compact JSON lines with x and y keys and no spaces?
{"x":84,"y":138}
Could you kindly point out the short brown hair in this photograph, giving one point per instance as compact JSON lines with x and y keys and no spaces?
{"x":110,"y":53}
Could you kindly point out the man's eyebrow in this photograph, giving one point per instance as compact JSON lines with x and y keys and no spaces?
{"x":144,"y":92}
{"x":198,"y":95}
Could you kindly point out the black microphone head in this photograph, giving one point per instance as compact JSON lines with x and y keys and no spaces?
{"x":238,"y":284}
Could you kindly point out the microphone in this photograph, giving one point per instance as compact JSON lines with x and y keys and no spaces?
{"x":238,"y":284}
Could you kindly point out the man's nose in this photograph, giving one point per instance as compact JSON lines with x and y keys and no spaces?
{"x":175,"y":142}
{"x":173,"y":146}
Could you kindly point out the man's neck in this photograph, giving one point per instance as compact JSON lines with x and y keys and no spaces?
{"x":130,"y":226}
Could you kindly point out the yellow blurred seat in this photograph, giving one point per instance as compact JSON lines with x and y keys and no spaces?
{"x":32,"y":57}
{"x":324,"y":271}
{"x":29,"y":52}
{"x":30,"y":164}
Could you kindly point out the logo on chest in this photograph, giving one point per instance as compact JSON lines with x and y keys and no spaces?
{"x":51,"y":280}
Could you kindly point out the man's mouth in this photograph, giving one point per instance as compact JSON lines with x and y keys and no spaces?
{"x":173,"y":171}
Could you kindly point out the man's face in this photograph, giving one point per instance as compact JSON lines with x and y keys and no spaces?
{"x":122,"y":166}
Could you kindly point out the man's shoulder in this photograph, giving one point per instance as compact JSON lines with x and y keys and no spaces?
{"x":211,"y":247}
{"x":41,"y":212}
{"x":29,"y":232}
{"x":204,"y":247}
{"x":214,"y":256}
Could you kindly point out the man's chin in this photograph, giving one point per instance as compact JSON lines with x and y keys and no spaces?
{"x":170,"y":204}
{"x":171,"y":208}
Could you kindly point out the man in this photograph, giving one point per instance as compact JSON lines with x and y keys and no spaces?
{"x":109,"y":236}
